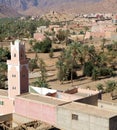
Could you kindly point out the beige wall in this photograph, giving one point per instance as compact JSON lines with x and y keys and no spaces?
{"x":86,"y":120}
{"x":7,"y":106}
{"x":107,"y":105}
{"x":13,"y":82}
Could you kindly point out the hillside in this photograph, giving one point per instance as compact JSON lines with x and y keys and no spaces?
{"x":6,"y":11}
{"x":36,"y":7}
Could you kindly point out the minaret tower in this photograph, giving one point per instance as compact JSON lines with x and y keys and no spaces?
{"x":17,"y":70}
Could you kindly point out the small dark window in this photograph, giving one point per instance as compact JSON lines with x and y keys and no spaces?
{"x":74,"y":117}
{"x":13,"y":102}
{"x":13,"y":75}
{"x":21,"y":55}
{"x":23,"y":75}
{"x":14,"y":88}
{"x":1,"y":103}
{"x":14,"y":55}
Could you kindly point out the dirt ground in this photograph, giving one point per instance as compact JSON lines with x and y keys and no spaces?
{"x":52,"y":80}
{"x":85,"y":82}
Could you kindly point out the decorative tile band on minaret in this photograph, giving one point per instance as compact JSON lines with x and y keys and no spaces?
{"x":17,"y":70}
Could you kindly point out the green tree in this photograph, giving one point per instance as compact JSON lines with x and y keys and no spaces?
{"x":41,"y":81}
{"x":33,"y":64}
{"x":110,"y":85}
{"x":61,"y":69}
{"x":51,"y":54}
{"x":61,"y":35}
{"x":103,"y":44}
{"x":43,"y":46}
{"x":95,"y":73}
{"x":85,"y":31}
{"x":100,"y":87}
{"x":4,"y":54}
{"x":66,"y":66}
{"x":2,"y":81}
{"x":3,"y":68}
{"x":88,"y":69}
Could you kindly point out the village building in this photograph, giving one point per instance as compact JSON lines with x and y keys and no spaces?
{"x":39,"y":36}
{"x":114,"y":19}
{"x":70,"y":110}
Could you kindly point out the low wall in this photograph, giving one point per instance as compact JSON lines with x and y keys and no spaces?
{"x":91,"y":100}
{"x":18,"y":119}
{"x":6,"y":118}
{"x":67,"y":97}
{"x":72,"y":91}
{"x":73,"y":119}
{"x":107,"y":105}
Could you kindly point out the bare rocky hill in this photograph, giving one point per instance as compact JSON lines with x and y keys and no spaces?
{"x":36,"y":7}
{"x":6,"y":11}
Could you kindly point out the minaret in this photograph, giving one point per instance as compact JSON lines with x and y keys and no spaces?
{"x":17,"y":70}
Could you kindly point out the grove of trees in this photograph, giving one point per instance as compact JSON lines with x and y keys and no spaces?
{"x":93,"y":63}
{"x":12,"y":28}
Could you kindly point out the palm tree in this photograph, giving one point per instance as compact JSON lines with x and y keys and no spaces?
{"x":3,"y":68}
{"x":2,"y":81}
{"x":61,"y":69}
{"x":41,"y":81}
{"x":32,"y":64}
{"x":103,"y":43}
{"x":85,"y":29}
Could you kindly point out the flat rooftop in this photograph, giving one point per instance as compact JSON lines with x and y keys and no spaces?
{"x":81,"y":95}
{"x":40,"y":98}
{"x":68,"y":97}
{"x":3,"y":92}
{"x":90,"y":110}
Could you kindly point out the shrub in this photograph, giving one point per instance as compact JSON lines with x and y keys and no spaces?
{"x":106,"y":71}
{"x":95,"y":73}
{"x":100,"y":87}
{"x":110,"y":85}
{"x":88,"y":67}
{"x":43,"y":46}
{"x":46,"y":45}
{"x":32,"y":64}
{"x":51,"y":54}
{"x":61,"y":35}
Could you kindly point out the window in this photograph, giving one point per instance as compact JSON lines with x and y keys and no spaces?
{"x":14,"y":55}
{"x":13,"y":75}
{"x":13,"y":102}
{"x":1,"y":103}
{"x":74,"y":117}
{"x":14,"y":88}
{"x":23,"y":75}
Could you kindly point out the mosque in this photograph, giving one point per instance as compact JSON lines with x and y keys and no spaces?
{"x":75,"y":109}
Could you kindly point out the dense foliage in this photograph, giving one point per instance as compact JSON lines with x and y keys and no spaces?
{"x":4,"y":56}
{"x":16,"y":28}
{"x":43,"y":46}
{"x":95,"y":64}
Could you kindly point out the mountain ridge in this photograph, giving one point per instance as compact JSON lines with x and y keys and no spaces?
{"x":37,"y":7}
{"x":6,"y":11}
